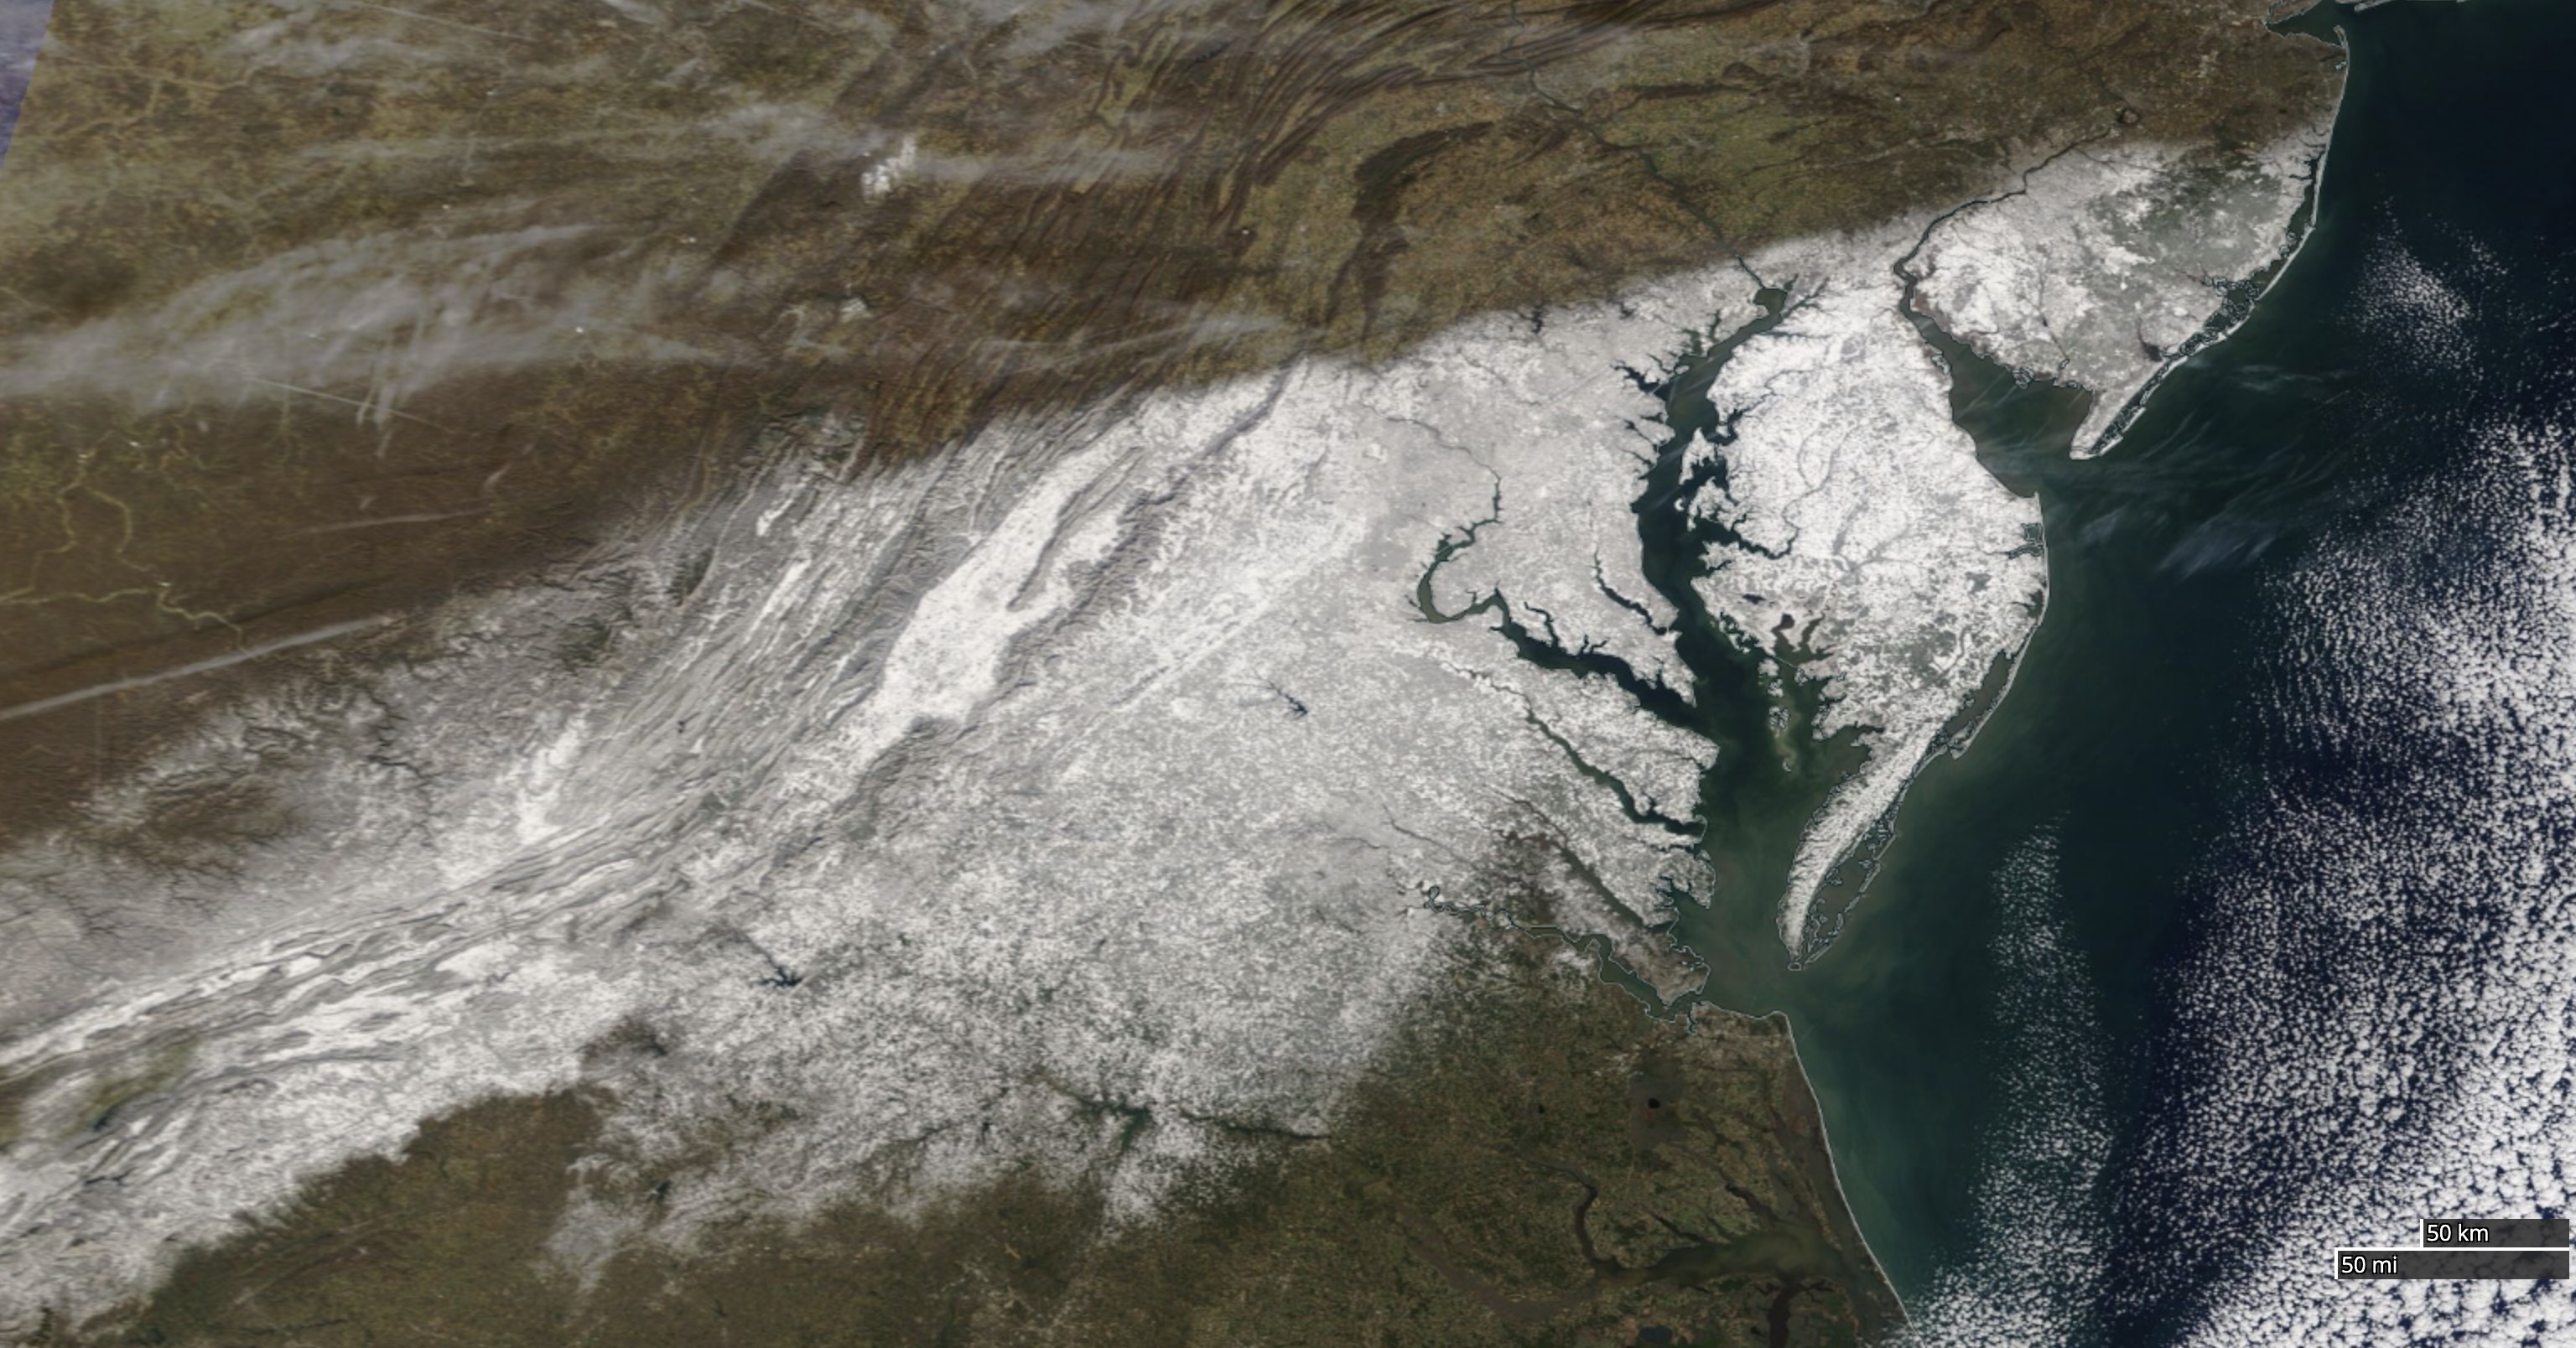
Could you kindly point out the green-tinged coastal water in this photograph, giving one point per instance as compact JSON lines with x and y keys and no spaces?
{"x":1989,"y":1037}
{"x":1996,"y":1041}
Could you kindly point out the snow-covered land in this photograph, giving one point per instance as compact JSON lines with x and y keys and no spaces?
{"x":1885,"y":549}
{"x":2114,"y":262}
{"x":919,"y":815}
{"x":1105,"y":764}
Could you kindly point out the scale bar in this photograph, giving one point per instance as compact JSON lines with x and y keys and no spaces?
{"x":2457,"y":1264}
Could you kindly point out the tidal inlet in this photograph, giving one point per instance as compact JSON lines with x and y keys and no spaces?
{"x":685,"y":671}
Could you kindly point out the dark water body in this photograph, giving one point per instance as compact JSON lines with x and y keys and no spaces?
{"x":2113,"y":775}
{"x":22,"y":31}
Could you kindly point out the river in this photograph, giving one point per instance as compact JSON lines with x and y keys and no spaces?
{"x":2060,"y":1043}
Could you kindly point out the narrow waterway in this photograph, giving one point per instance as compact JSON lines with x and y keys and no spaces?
{"x":2028,"y":1039}
{"x":2016,"y":1038}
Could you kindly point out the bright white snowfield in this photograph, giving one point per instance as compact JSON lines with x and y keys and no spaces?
{"x":2117,"y":259}
{"x":1900,"y":560}
{"x":1105,"y":764}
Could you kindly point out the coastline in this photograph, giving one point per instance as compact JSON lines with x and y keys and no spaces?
{"x":1068,"y":548}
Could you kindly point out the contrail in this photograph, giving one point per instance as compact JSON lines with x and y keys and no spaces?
{"x":182,"y":671}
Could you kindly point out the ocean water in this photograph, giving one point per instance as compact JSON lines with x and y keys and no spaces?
{"x":2248,"y":926}
{"x":2245,"y":928}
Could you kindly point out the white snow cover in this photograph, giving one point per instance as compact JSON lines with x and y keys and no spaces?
{"x":2107,"y":265}
{"x":1104,"y":766}
{"x":1899,"y":559}
{"x":1083,"y":767}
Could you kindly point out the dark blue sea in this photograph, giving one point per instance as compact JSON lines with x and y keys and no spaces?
{"x":2247,"y":927}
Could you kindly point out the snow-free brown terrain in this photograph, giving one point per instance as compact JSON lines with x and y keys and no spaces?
{"x":953,"y":612}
